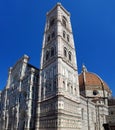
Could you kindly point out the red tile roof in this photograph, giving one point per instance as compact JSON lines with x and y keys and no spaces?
{"x":91,"y":81}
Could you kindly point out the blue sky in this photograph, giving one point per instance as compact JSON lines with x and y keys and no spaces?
{"x":93,"y":22}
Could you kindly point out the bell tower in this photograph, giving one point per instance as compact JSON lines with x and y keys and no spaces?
{"x":58,"y":99}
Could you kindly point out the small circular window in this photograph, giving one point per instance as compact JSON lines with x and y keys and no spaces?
{"x":95,"y":92}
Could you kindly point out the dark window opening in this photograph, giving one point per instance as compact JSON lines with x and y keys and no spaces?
{"x":95,"y":92}
{"x":63,"y":84}
{"x":64,"y":23}
{"x":65,"y":52}
{"x":52,"y":22}
{"x":68,"y":38}
{"x":48,"y":38}
{"x":64,"y":18}
{"x":53,"y":34}
{"x":52,"y":51}
{"x":47,"y":55}
{"x":111,"y":112}
{"x":63,"y":34}
{"x":70,"y":56}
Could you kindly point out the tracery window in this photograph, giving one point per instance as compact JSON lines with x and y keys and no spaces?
{"x":75,"y":90}
{"x":64,"y":22}
{"x":47,"y":55}
{"x":48,"y":38}
{"x":69,"y":55}
{"x":68,"y":87}
{"x":52,"y":51}
{"x":52,"y":21}
{"x":53,"y":34}
{"x":64,"y":34}
{"x":68,"y":38}
{"x":65,"y":52}
{"x":71,"y":89}
{"x":63,"y":84}
{"x":82,"y":112}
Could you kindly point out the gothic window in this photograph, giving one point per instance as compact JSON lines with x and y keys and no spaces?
{"x":64,"y":22}
{"x":112,"y":112}
{"x":46,"y":87}
{"x":48,"y":39}
{"x":68,"y":38}
{"x":53,"y":34}
{"x":54,"y":85}
{"x":92,"y":115}
{"x":65,"y":52}
{"x":64,"y":34}
{"x":54,"y":71}
{"x":69,"y":55}
{"x":23,"y":125}
{"x":71,"y":89}
{"x":63,"y":84}
{"x":64,"y":18}
{"x":52,"y":22}
{"x":68,"y":87}
{"x":52,"y":51}
{"x":75,"y":90}
{"x":82,"y":112}
{"x":47,"y":55}
{"x":42,"y":91}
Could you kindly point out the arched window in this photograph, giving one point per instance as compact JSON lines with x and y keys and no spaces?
{"x":54,"y":85}
{"x":65,"y":52}
{"x":69,"y":55}
{"x":75,"y":91}
{"x":63,"y":84}
{"x":52,"y":51}
{"x":71,"y":89}
{"x":64,"y":34}
{"x":53,"y":34}
{"x":68,"y":38}
{"x":82,"y":112}
{"x":48,"y":38}
{"x":47,"y":55}
{"x":64,"y":22}
{"x":68,"y":87}
{"x":52,"y":21}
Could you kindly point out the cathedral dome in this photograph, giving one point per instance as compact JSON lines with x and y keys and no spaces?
{"x":91,"y":81}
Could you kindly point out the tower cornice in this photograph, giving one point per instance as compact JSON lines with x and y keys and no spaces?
{"x":58,"y":5}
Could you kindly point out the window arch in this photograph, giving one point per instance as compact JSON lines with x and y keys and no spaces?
{"x":54,"y":85}
{"x":48,"y":38}
{"x":64,"y":34}
{"x":52,"y":21}
{"x":75,"y":90}
{"x":68,"y":38}
{"x":65,"y":51}
{"x":47,"y":55}
{"x":64,"y":18}
{"x":82,"y":112}
{"x":53,"y":34}
{"x":64,"y":22}
{"x":63,"y":84}
{"x":52,"y":51}
{"x":71,"y":89}
{"x":69,"y":55}
{"x":68,"y":87}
